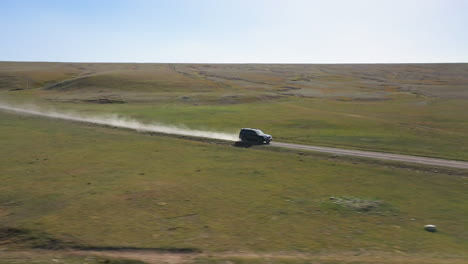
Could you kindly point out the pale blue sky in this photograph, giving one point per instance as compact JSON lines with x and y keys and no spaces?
{"x":235,"y":31}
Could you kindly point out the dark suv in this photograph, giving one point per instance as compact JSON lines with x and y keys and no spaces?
{"x":251,"y":135}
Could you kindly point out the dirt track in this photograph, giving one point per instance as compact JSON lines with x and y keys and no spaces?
{"x":228,"y":137}
{"x":377,"y":155}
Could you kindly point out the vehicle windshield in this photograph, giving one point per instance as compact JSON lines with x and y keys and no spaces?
{"x":259,"y":132}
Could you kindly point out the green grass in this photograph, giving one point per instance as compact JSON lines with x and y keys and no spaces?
{"x":353,"y":258}
{"x":75,"y":185}
{"x":260,"y":260}
{"x":44,"y":257}
{"x":99,"y":186}
{"x":417,"y":109}
{"x":368,"y":126}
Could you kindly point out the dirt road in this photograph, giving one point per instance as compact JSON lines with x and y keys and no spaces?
{"x":133,"y":124}
{"x":377,"y":155}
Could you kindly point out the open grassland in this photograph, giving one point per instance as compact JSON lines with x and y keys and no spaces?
{"x":82,"y":187}
{"x":418,"y":109}
{"x":145,"y":257}
{"x":47,"y":257}
{"x":100,"y":187}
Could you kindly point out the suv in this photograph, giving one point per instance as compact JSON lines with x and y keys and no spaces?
{"x":251,"y":135}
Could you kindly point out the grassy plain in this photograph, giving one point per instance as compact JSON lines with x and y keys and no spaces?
{"x":411,"y":109}
{"x":44,"y":257}
{"x":100,"y":187}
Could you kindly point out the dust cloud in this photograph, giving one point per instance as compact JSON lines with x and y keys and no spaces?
{"x":118,"y":121}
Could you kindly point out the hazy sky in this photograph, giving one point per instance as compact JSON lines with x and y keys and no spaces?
{"x":223,"y":31}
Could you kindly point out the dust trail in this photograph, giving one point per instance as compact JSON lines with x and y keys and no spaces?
{"x":117,"y":121}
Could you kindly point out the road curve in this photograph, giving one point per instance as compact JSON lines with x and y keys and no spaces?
{"x":377,"y":155}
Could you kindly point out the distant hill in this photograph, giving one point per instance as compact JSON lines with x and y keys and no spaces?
{"x":234,"y":83}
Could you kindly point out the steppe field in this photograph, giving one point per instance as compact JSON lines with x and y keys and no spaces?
{"x":72,"y":192}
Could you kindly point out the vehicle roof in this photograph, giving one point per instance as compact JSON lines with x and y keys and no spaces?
{"x":257,"y":131}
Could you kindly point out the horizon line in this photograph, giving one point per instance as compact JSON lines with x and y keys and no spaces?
{"x":277,"y":63}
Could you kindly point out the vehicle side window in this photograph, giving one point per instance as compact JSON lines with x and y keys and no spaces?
{"x":249,"y":133}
